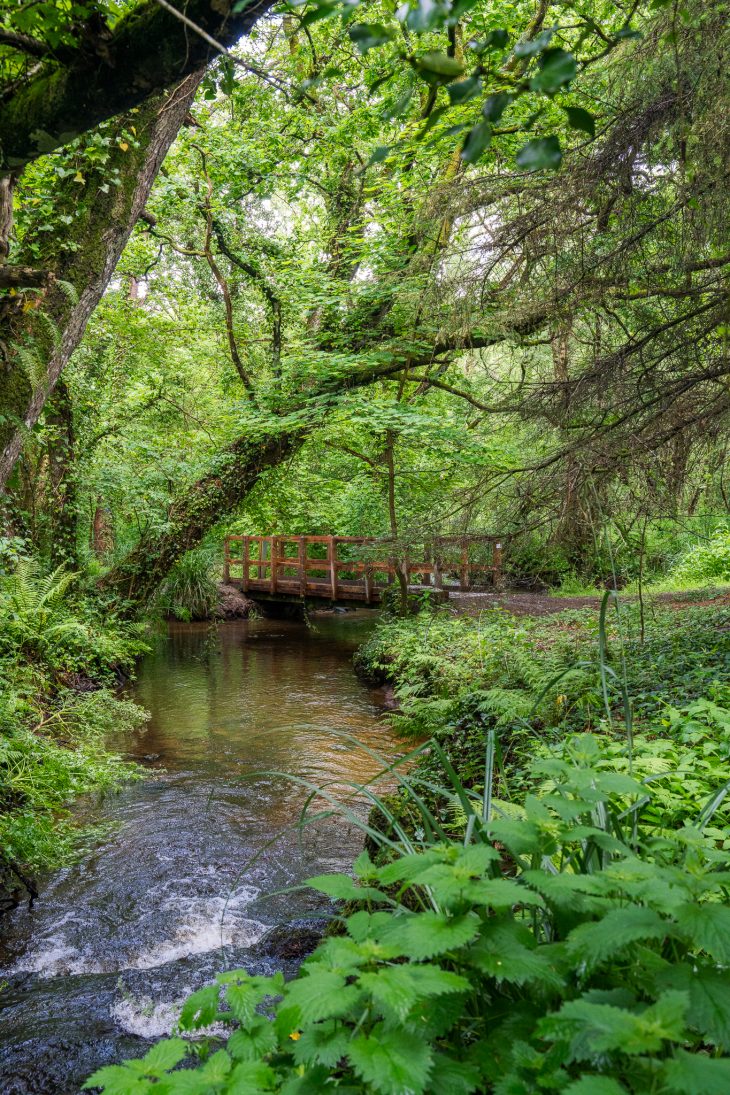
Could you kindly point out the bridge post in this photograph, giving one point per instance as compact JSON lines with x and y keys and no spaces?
{"x":438,"y":579}
{"x":274,"y":562}
{"x":464,"y":569}
{"x":332,"y":560}
{"x":246,"y":552}
{"x":497,"y":564}
{"x":302,"y":554}
{"x":227,"y":560}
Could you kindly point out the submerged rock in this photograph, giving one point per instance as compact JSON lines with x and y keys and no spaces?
{"x":295,"y":940}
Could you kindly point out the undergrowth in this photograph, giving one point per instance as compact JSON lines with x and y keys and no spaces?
{"x":455,"y":677}
{"x":60,"y":657}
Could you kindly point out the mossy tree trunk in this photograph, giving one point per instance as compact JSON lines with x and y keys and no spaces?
{"x":36,"y":350}
{"x":232,"y":476}
{"x":63,"y":501}
{"x":149,"y":49}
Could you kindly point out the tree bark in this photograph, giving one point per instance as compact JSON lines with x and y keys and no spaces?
{"x":102,"y":234}
{"x":62,"y":479}
{"x":150,"y":49}
{"x":198,"y":507}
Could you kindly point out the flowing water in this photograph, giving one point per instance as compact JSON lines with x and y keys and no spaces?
{"x":181,"y":886}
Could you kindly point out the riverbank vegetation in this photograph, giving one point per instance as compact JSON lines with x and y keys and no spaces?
{"x":447,"y":269}
{"x":59,"y":670}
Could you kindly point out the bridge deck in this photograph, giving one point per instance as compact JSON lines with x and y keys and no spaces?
{"x":313,"y":567}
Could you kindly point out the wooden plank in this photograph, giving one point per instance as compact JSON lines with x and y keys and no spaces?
{"x":246,"y":572}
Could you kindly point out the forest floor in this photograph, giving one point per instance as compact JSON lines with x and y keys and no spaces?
{"x":545,"y":604}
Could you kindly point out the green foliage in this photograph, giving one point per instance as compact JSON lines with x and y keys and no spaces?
{"x":570,"y":947}
{"x":455,"y":677}
{"x":706,"y":563}
{"x":190,"y":592}
{"x":51,"y":735}
{"x":40,"y":622}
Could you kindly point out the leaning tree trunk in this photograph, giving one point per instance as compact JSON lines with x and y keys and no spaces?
{"x":199,"y":506}
{"x":35,"y":350}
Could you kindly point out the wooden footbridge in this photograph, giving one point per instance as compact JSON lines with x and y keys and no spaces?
{"x":353,"y":568}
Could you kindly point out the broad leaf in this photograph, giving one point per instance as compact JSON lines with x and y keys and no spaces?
{"x":390,"y":1063}
{"x":539,"y":154}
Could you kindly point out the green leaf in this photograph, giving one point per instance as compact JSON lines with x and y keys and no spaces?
{"x":478,"y":140}
{"x":495,"y":105}
{"x":367,"y":36}
{"x":708,"y":928}
{"x":540,"y":153}
{"x":557,"y":67}
{"x":534,"y":45}
{"x":596,"y":942}
{"x":164,"y":1056}
{"x":507,"y":952}
{"x":200,"y":1009}
{"x":390,"y":1063}
{"x":114,"y":1079}
{"x":709,"y":995}
{"x":627,"y":32}
{"x":398,"y":988}
{"x":594,"y":1029}
{"x":251,"y":1078}
{"x":464,"y":90}
{"x":426,"y":15}
{"x":427,"y":934}
{"x":452,"y":1077}
{"x":324,"y":1044}
{"x":581,"y":119}
{"x":321,"y":994}
{"x":255,"y":1042}
{"x":343,"y":888}
{"x":696,"y":1074}
{"x":438,"y":67}
{"x":595,"y":1085}
{"x":496,"y":39}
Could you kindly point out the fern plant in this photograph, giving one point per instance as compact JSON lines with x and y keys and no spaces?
{"x":34,"y":611}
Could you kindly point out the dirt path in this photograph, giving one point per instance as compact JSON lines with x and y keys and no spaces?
{"x":543,"y":604}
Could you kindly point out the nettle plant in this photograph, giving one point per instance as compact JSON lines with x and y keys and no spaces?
{"x":577,"y":948}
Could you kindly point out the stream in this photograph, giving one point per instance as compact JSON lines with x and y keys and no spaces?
{"x":180,"y":885}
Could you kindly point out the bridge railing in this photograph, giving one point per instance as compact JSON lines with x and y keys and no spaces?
{"x":312,"y":566}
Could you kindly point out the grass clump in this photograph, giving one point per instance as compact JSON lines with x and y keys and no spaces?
{"x":190,"y":591}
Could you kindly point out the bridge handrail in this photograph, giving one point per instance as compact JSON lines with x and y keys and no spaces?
{"x":364,"y":586}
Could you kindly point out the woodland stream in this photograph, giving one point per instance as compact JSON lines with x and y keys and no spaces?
{"x":167,"y":897}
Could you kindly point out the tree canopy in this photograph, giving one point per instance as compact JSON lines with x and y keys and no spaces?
{"x":469,"y":261}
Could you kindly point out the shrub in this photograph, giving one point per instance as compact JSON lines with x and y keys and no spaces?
{"x":706,"y":563}
{"x":52,"y":737}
